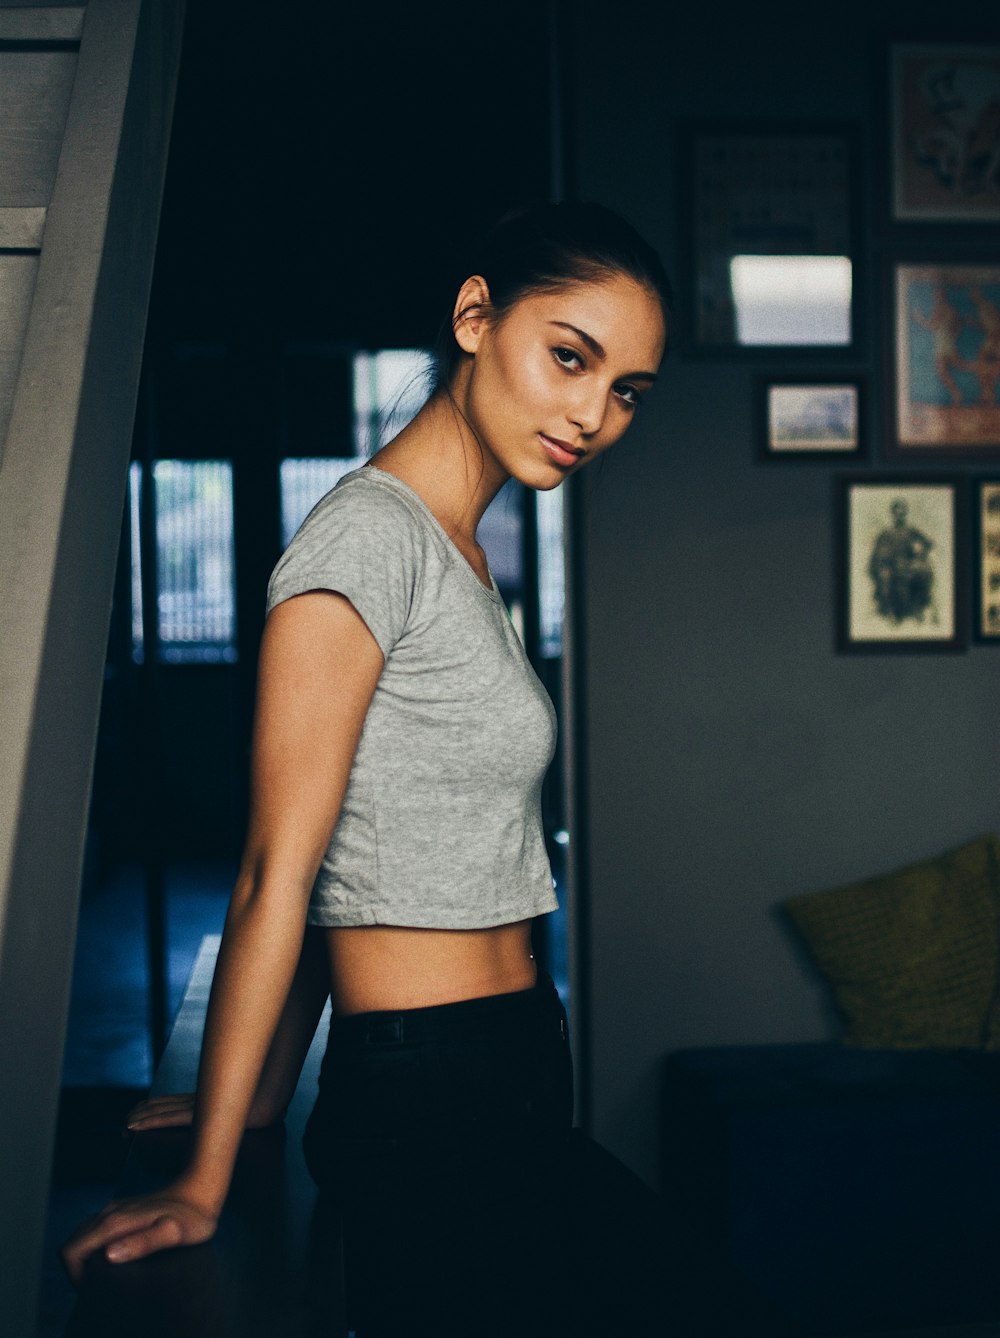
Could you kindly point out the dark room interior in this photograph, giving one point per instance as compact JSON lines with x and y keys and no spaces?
{"x":770,"y":817}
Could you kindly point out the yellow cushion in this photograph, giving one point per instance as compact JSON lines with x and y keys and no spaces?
{"x":912,"y":955}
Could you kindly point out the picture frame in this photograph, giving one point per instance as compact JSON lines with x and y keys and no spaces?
{"x":769,"y":235}
{"x":945,"y":360}
{"x":900,"y":587}
{"x":986,"y":506}
{"x":809,"y":417}
{"x":944,"y":131}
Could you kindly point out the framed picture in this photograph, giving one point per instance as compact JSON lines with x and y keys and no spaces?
{"x":770,"y":227}
{"x":899,"y":557}
{"x":808,"y":418}
{"x":944,"y":122}
{"x":987,"y":507}
{"x":946,"y":357}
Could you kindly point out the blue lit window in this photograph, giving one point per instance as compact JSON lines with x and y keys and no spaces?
{"x":551,"y":572}
{"x":195,"y":567}
{"x":134,"y":504}
{"x":389,"y":387}
{"x":303,"y":483}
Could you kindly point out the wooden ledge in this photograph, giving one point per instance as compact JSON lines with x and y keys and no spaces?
{"x":273,"y":1268}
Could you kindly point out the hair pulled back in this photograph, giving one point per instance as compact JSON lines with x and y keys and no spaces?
{"x":544,"y":247}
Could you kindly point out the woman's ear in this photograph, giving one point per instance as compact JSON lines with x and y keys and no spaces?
{"x":469,"y":317}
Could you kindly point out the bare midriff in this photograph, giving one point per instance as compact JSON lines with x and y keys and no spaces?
{"x":378,"y":967}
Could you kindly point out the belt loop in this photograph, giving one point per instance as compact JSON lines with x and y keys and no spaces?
{"x":385,"y":1029}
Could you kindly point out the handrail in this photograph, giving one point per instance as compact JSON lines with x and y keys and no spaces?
{"x":78,"y":268}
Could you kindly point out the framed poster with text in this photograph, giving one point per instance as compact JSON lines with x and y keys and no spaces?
{"x":987,"y":506}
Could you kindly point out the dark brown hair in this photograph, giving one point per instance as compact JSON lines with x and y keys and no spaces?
{"x":544,"y":247}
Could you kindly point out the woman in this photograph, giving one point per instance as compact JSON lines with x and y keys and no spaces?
{"x":397,"y":712}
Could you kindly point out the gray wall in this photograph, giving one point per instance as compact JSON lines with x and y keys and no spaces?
{"x":733,"y":758}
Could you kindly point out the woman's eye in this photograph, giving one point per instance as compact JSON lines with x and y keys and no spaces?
{"x":567,"y":357}
{"x":630,"y":395}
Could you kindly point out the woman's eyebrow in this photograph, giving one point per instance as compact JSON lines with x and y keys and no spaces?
{"x":598,"y":349}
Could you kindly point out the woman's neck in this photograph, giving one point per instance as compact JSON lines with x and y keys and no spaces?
{"x":440,"y":458}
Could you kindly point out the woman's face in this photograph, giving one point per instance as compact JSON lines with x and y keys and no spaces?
{"x":560,"y":377}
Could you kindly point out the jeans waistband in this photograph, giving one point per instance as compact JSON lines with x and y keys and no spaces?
{"x":409,"y":1025}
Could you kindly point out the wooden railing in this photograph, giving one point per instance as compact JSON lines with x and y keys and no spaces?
{"x":275,"y":1266}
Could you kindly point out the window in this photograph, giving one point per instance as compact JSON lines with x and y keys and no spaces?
{"x":551,"y":573}
{"x":389,"y":387}
{"x":303,"y":483}
{"x":195,"y":580}
{"x":135,"y":531}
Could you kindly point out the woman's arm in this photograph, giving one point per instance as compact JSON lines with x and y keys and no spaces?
{"x":319,"y":665}
{"x":289,"y":1047}
{"x":294,"y":1033}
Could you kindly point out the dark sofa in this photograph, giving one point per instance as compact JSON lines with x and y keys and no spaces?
{"x":857,"y":1190}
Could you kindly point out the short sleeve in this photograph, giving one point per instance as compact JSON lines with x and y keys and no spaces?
{"x":363,"y":542}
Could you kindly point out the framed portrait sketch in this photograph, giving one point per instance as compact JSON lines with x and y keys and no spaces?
{"x":946,"y":358}
{"x":770,"y":227}
{"x":808,"y":418}
{"x":987,"y":505}
{"x":945,"y":132}
{"x":900,"y":587}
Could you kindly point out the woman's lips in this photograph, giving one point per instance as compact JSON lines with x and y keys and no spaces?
{"x":561,"y":452}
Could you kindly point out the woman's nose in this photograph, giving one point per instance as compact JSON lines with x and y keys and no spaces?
{"x":588,"y":411}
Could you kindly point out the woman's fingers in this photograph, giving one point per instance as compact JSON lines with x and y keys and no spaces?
{"x":159,"y":1119}
{"x":111,"y":1224}
{"x":153,"y":1103}
{"x":131,"y":1229}
{"x":162,"y":1233}
{"x":161,"y":1112}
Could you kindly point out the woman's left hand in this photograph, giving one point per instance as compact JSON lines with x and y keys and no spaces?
{"x":177,"y":1110}
{"x":161,"y":1112}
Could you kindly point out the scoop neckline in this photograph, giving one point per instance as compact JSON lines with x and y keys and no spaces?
{"x":376,"y":471}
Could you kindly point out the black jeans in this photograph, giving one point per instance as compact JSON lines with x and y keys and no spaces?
{"x":470,"y":1206}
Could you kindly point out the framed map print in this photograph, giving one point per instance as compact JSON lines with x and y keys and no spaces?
{"x":946,"y":360}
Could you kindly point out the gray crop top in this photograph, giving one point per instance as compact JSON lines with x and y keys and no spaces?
{"x":441,"y":822}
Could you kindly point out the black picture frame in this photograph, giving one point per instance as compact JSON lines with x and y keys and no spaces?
{"x":800,"y":431}
{"x":940,"y":137}
{"x":735,"y":182}
{"x":905,"y":593}
{"x":986,"y":559}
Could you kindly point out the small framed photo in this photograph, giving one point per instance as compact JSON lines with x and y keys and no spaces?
{"x":899,"y":557}
{"x":987,"y":505}
{"x":808,"y":418}
{"x":944,"y":121}
{"x":946,"y":361}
